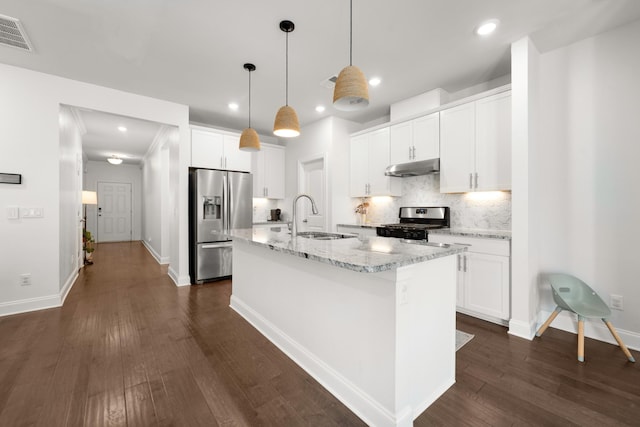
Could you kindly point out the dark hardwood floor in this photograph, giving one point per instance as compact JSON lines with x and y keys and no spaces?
{"x":130,"y":348}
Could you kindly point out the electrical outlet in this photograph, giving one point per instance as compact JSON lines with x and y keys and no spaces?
{"x":404,"y":295}
{"x":616,"y":302}
{"x":25,"y":279}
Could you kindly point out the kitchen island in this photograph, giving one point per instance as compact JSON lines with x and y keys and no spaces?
{"x":372,"y":320}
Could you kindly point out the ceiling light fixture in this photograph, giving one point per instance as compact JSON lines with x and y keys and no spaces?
{"x":351,"y":92}
{"x":487,"y":27}
{"x":114,"y":160}
{"x":320,"y":108}
{"x":249,"y":140}
{"x":122,"y":128}
{"x":233,"y":106}
{"x":374,"y":81}
{"x":286,"y":123}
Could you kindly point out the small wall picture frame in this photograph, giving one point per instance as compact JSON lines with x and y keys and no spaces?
{"x":10,"y":178}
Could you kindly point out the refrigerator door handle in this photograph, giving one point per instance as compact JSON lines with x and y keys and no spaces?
{"x":230,"y":202}
{"x":217,"y":245}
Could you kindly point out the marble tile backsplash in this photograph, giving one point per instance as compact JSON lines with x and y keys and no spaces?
{"x":481,"y":210}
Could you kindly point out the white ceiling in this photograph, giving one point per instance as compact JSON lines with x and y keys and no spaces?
{"x":192,"y":51}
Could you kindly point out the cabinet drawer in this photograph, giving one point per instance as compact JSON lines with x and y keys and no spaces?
{"x":475,"y":244}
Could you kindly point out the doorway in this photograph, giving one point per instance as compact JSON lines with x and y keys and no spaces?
{"x":312,"y":180}
{"x":114,"y":212}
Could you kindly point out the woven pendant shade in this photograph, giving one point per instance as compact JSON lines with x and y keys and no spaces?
{"x":286,"y":123}
{"x":352,"y":91}
{"x":249,"y":140}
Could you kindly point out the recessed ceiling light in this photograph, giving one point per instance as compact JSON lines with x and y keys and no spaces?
{"x":487,"y":27}
{"x":375,"y":81}
{"x":320,"y":108}
{"x":122,"y":128}
{"x":233,"y":106}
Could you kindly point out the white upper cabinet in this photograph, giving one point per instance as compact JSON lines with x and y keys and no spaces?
{"x":268,"y":172}
{"x":368,"y":161}
{"x":415,"y":140}
{"x":218,"y":150}
{"x":475,"y":145}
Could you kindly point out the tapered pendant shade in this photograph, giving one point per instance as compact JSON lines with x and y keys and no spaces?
{"x":286,"y":123}
{"x":351,"y":92}
{"x":249,"y":140}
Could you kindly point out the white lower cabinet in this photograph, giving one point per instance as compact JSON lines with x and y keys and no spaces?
{"x":356,"y":229}
{"x":484,"y":284}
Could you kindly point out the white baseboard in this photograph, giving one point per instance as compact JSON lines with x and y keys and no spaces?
{"x":39,"y":303}
{"x":179,"y":281}
{"x":593,"y":328}
{"x":519,"y":328}
{"x":67,"y":286}
{"x":491,"y":319}
{"x":29,"y":304}
{"x":159,"y":259}
{"x":359,"y":402}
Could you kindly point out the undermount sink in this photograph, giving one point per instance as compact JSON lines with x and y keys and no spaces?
{"x":321,"y":235}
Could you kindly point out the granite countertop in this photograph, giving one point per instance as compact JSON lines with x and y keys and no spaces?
{"x":371,"y":255}
{"x":269,"y":222}
{"x":367,"y":225}
{"x":469,"y":232}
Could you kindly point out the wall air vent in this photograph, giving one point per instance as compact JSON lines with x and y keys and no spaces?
{"x":330,"y":82}
{"x":12,"y":34}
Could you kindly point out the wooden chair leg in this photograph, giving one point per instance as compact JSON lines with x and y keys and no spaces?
{"x":580,"y":339}
{"x":546,"y":324}
{"x":619,"y":340}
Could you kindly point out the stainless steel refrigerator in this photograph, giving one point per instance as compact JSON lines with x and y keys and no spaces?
{"x":218,"y":201}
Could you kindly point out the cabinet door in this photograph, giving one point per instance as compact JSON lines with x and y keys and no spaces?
{"x":234,"y":158}
{"x":426,"y":137}
{"x":274,"y":159}
{"x":258,"y":172}
{"x":487,"y":285}
{"x":206,"y":149}
{"x":379,"y":183}
{"x":457,"y":142}
{"x":401,"y":145}
{"x":359,"y":166}
{"x":493,"y":142}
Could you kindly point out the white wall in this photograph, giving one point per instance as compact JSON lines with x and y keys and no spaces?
{"x":155,"y":199}
{"x":30,"y":145}
{"x":526,"y":204}
{"x":590,"y":138}
{"x":71,"y":254}
{"x":328,"y":137}
{"x":106,"y":172}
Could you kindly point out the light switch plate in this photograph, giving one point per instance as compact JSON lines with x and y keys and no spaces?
{"x":13,"y":212}
{"x":32,"y":212}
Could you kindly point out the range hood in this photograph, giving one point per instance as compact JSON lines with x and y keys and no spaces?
{"x":422,"y":167}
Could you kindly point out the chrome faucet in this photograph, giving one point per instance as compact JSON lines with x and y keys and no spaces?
{"x":314,"y":209}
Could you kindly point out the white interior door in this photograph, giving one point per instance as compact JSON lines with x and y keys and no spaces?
{"x":114,"y":212}
{"x":312,"y":181}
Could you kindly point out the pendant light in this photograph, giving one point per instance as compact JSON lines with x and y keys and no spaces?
{"x":351,"y":92}
{"x":286,"y":123}
{"x":249,"y":140}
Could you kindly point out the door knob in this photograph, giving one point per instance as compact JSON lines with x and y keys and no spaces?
{"x":304,"y":220}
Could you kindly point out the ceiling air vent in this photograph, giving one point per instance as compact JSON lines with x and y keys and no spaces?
{"x":330,"y":82}
{"x":12,"y":34}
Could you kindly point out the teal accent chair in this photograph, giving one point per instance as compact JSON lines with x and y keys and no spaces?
{"x":572,"y":294}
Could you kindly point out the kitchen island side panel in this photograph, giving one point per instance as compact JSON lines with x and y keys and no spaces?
{"x":359,"y":334}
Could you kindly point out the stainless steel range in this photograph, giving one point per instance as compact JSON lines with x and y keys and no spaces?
{"x":415,"y":223}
